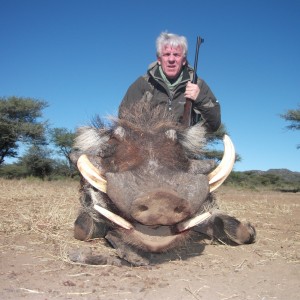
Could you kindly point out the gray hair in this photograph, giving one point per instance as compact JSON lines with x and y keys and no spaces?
{"x":171,"y":39}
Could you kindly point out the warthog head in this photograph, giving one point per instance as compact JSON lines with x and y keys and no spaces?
{"x":144,"y":179}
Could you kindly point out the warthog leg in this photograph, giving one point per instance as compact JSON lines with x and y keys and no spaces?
{"x":86,"y":256}
{"x":85,"y":227}
{"x":227,"y":229}
{"x":127,"y":252}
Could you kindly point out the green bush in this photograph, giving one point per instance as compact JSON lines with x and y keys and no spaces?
{"x":13,"y":171}
{"x":258,"y":180}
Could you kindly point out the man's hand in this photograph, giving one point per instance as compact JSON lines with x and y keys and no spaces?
{"x":192,"y":91}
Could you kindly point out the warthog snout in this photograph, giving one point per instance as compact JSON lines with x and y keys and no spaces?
{"x":160,"y":208}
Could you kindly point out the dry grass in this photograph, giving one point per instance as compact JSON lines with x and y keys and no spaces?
{"x":36,"y":224}
{"x":50,"y":208}
{"x":46,"y":207}
{"x":36,"y":208}
{"x":275,"y":216}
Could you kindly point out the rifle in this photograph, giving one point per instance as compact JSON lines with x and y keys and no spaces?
{"x":187,"y":114}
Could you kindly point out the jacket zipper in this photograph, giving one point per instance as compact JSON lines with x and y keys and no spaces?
{"x":170,"y":103}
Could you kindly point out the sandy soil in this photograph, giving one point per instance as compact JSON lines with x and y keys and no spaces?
{"x":36,"y":223}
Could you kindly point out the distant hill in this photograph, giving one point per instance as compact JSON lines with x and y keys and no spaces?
{"x":276,"y":179}
{"x":284,"y":174}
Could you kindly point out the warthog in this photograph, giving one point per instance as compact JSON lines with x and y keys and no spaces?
{"x":145,"y":188}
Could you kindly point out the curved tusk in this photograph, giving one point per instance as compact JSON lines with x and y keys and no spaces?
{"x":113,"y":217}
{"x":218,"y":176}
{"x":185,"y":225}
{"x":91,"y":173}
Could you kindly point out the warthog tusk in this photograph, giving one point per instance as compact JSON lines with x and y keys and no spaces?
{"x":217,"y":177}
{"x":113,"y":217}
{"x":91,"y":173}
{"x":185,"y":225}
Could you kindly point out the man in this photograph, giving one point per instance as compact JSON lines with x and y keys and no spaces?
{"x":168,"y":83}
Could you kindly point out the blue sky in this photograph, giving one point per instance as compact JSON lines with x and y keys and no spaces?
{"x":81,"y":55}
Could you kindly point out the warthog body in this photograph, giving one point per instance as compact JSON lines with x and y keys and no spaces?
{"x":142,"y":188}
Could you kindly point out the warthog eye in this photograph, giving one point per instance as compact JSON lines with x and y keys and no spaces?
{"x":143,"y":208}
{"x":179,"y":209}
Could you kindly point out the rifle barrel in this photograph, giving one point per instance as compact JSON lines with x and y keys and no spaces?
{"x":198,"y":43}
{"x":187,"y":114}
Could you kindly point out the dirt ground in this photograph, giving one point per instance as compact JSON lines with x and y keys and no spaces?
{"x":36,"y":224}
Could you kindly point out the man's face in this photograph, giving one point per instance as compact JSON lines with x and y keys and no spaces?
{"x":171,"y":60}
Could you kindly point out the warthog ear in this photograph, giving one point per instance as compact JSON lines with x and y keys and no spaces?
{"x":91,"y":139}
{"x":171,"y":134}
{"x":193,"y":139}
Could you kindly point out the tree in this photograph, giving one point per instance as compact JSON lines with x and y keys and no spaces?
{"x":213,"y":139}
{"x":293,"y":115}
{"x":37,"y":161}
{"x":63,"y":139}
{"x":19,"y":124}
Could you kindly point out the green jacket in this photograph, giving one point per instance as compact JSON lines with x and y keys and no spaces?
{"x":153,"y":87}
